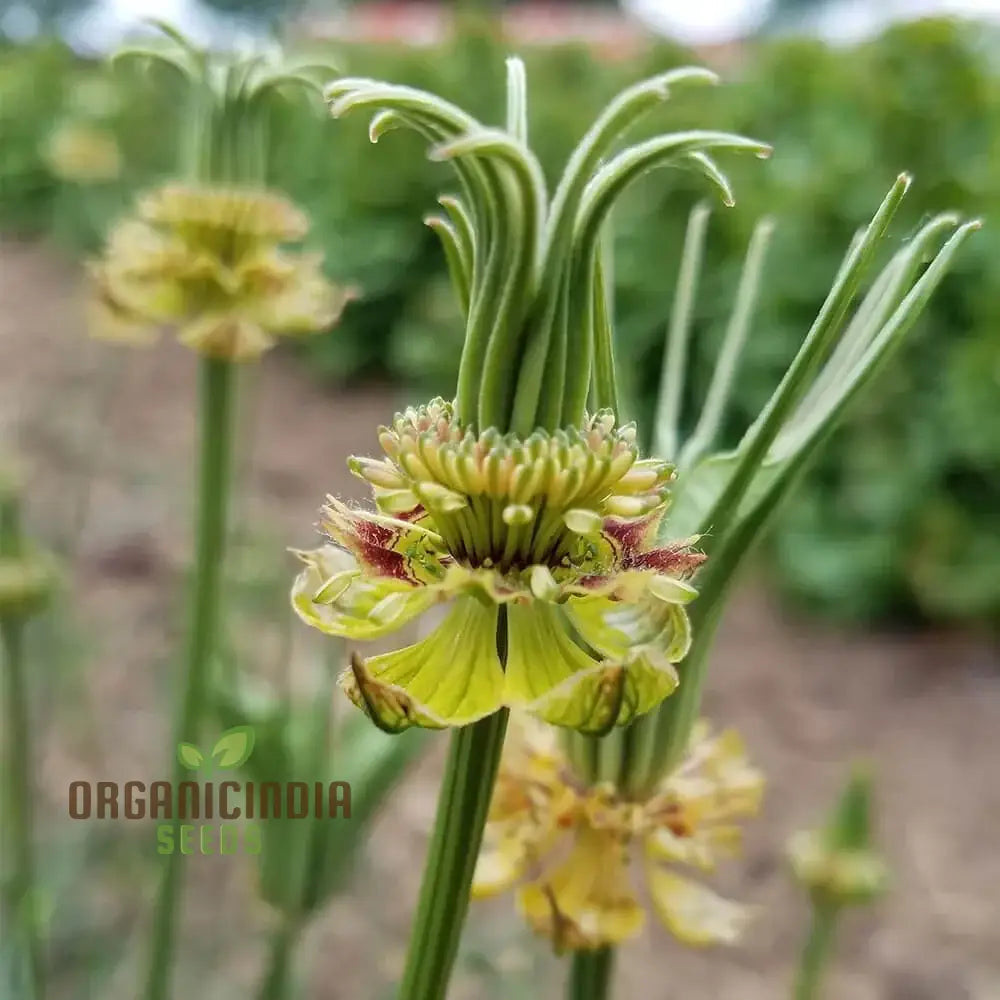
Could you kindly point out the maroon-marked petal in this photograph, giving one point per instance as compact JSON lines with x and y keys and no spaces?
{"x":673,"y":560}
{"x":633,"y":534}
{"x":371,"y":544}
{"x":415,"y":514}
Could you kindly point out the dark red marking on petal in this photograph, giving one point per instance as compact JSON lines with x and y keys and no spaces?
{"x":673,"y":560}
{"x":384,"y":562}
{"x":632,"y":534}
{"x":415,"y":514}
{"x":371,"y":544}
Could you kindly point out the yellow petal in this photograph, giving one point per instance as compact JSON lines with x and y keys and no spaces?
{"x":700,"y":849}
{"x":308,"y":304}
{"x":554,"y":678}
{"x":387,"y":705}
{"x":500,"y":865}
{"x":693,"y":914}
{"x":588,"y":901}
{"x":545,"y":671}
{"x":531,"y":809}
{"x":617,"y":628}
{"x":718,"y":782}
{"x":352,"y":614}
{"x":226,"y":337}
{"x":451,"y":678}
{"x":108,"y":320}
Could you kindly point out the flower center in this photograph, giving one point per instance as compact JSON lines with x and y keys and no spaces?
{"x":509,"y":503}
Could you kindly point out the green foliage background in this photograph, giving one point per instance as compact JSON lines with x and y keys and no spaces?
{"x":902,"y":517}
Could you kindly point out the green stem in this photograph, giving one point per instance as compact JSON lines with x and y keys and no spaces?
{"x":675,"y":718}
{"x":21,"y":900}
{"x":590,"y":974}
{"x":605,"y":380}
{"x":213,"y":495}
{"x":816,"y":953}
{"x":277,"y":981}
{"x":463,"y":803}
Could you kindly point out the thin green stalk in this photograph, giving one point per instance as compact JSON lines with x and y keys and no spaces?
{"x":675,"y":718}
{"x":675,"y":358}
{"x":605,"y":381}
{"x":213,"y":495}
{"x":638,"y":747}
{"x":277,"y":981}
{"x":21,"y":889}
{"x":720,"y":387}
{"x":590,"y":974}
{"x":21,"y":896}
{"x":816,"y":953}
{"x":463,"y":804}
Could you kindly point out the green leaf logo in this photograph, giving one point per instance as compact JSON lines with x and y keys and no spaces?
{"x":234,"y":746}
{"x":190,"y":756}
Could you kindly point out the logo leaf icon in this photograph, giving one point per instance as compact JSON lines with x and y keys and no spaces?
{"x":190,"y":756}
{"x":234,"y":746}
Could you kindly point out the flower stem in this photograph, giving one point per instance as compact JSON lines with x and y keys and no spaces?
{"x":21,"y":895}
{"x":278,"y":977}
{"x":463,"y":803}
{"x":590,"y":974}
{"x":816,"y":952}
{"x":213,"y":495}
{"x":20,"y":898}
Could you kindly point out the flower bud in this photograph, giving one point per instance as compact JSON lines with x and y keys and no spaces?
{"x":26,"y":583}
{"x":381,"y":474}
{"x":672,"y":590}
{"x":335,"y":586}
{"x":27,"y":577}
{"x":583,"y":522}
{"x":838,"y":864}
{"x":518,"y":513}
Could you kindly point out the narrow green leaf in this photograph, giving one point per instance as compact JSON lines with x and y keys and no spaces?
{"x":810,"y":356}
{"x":720,"y":387}
{"x":665,"y":436}
{"x":457,"y":267}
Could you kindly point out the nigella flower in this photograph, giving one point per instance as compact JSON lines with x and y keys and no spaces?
{"x":536,"y":521}
{"x":83,"y":153}
{"x":214,"y":262}
{"x":570,"y":847}
{"x":558,"y":529}
{"x":839,"y":863}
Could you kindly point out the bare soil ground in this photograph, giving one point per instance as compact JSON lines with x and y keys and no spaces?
{"x":106,"y":439}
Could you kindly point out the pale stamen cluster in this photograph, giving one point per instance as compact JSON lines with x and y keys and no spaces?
{"x":499,"y":501}
{"x":212,"y":261}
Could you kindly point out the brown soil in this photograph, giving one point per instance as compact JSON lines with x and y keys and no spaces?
{"x":105,"y":438}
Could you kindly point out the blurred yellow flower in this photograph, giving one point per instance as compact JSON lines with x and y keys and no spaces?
{"x":838,"y":863}
{"x":569,"y":846}
{"x":213,"y":262}
{"x":26,"y":582}
{"x":561,"y":530}
{"x":82,"y":153}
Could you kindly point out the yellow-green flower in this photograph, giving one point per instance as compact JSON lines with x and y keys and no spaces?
{"x":571,"y":847}
{"x":213,"y":262}
{"x":26,"y":583}
{"x":839,"y":863}
{"x":559,"y":530}
{"x":83,"y":153}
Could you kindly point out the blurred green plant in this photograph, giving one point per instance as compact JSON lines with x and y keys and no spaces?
{"x":26,"y":583}
{"x":899,"y":518}
{"x":839,"y":867}
{"x":303,"y":863}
